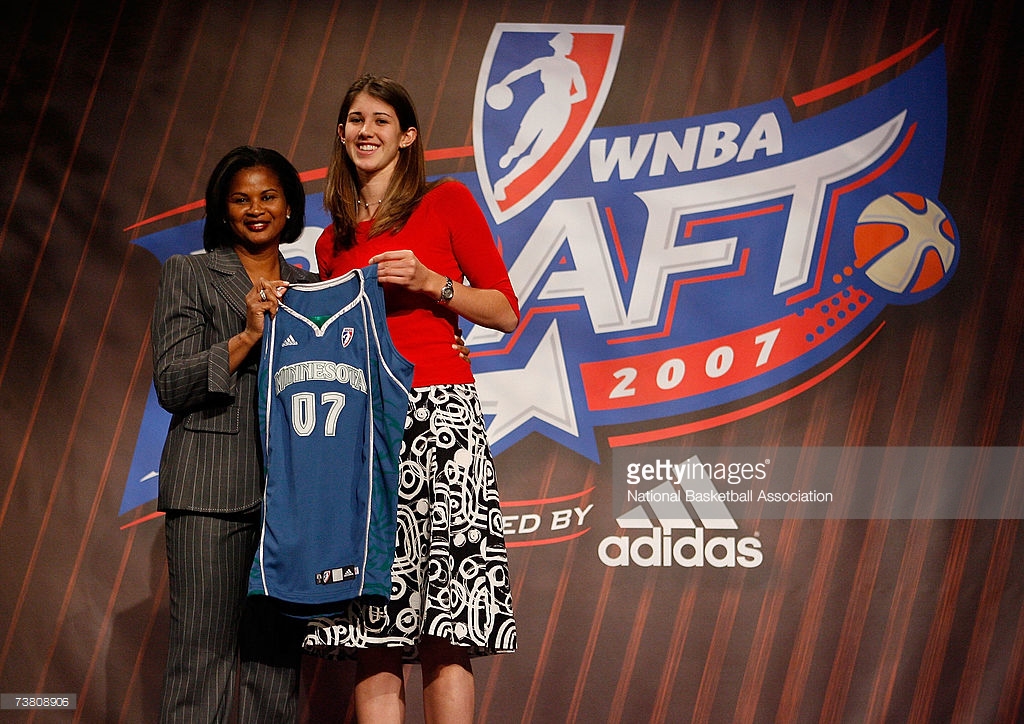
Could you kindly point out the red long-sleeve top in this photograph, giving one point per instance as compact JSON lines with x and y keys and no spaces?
{"x":448,"y":234}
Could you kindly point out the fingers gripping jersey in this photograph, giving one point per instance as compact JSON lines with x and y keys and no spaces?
{"x":334,"y":393}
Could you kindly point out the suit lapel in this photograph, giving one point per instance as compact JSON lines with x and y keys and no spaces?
{"x":232,"y":281}
{"x":292,"y":274}
{"x":230,"y":278}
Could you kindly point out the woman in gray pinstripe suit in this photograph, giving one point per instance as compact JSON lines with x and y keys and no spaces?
{"x":207,"y":326}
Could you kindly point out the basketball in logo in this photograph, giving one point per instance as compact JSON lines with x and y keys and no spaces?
{"x":906,"y":244}
{"x":499,"y":96}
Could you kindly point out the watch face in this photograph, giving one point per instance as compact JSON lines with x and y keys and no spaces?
{"x":448,"y":291}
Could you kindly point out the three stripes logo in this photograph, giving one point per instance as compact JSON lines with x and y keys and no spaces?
{"x":676,"y":519}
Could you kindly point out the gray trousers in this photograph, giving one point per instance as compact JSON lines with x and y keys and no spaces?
{"x":223,"y":641}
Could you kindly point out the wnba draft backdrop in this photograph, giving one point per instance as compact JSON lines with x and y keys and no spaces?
{"x":757,"y":433}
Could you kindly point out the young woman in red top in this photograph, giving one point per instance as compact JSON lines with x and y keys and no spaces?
{"x":451,"y":596}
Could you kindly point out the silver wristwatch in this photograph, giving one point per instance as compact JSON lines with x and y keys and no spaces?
{"x":447,"y":291}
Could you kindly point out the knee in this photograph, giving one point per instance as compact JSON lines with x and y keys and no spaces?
{"x":378,"y":662}
{"x":437,"y":655}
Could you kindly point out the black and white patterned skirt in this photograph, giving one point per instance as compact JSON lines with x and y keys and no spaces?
{"x":450,"y":575}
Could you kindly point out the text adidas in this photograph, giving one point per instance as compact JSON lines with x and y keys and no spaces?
{"x":660,"y":548}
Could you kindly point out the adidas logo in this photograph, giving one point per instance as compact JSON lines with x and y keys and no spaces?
{"x":337,"y":575}
{"x":289,"y":342}
{"x":662,"y":547}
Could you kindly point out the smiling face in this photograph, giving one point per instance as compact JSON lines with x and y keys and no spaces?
{"x":373,"y":138}
{"x":257,"y":209}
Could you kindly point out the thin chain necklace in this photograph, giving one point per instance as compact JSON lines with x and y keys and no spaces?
{"x":367,"y":205}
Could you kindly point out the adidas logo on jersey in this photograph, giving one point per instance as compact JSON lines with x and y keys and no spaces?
{"x":289,"y":341}
{"x":337,"y":575}
{"x":695,"y":549}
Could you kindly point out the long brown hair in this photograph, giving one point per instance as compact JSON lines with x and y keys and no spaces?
{"x":408,"y":183}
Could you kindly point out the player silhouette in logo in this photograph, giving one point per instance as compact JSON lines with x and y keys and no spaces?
{"x":547,"y":115}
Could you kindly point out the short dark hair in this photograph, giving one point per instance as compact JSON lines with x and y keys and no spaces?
{"x":216,"y":231}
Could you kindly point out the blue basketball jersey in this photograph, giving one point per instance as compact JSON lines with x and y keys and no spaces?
{"x":334,"y":393}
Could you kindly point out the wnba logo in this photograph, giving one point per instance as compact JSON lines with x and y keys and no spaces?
{"x":539,"y":93}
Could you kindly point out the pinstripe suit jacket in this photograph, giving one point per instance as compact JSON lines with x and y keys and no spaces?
{"x":212,"y":460}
